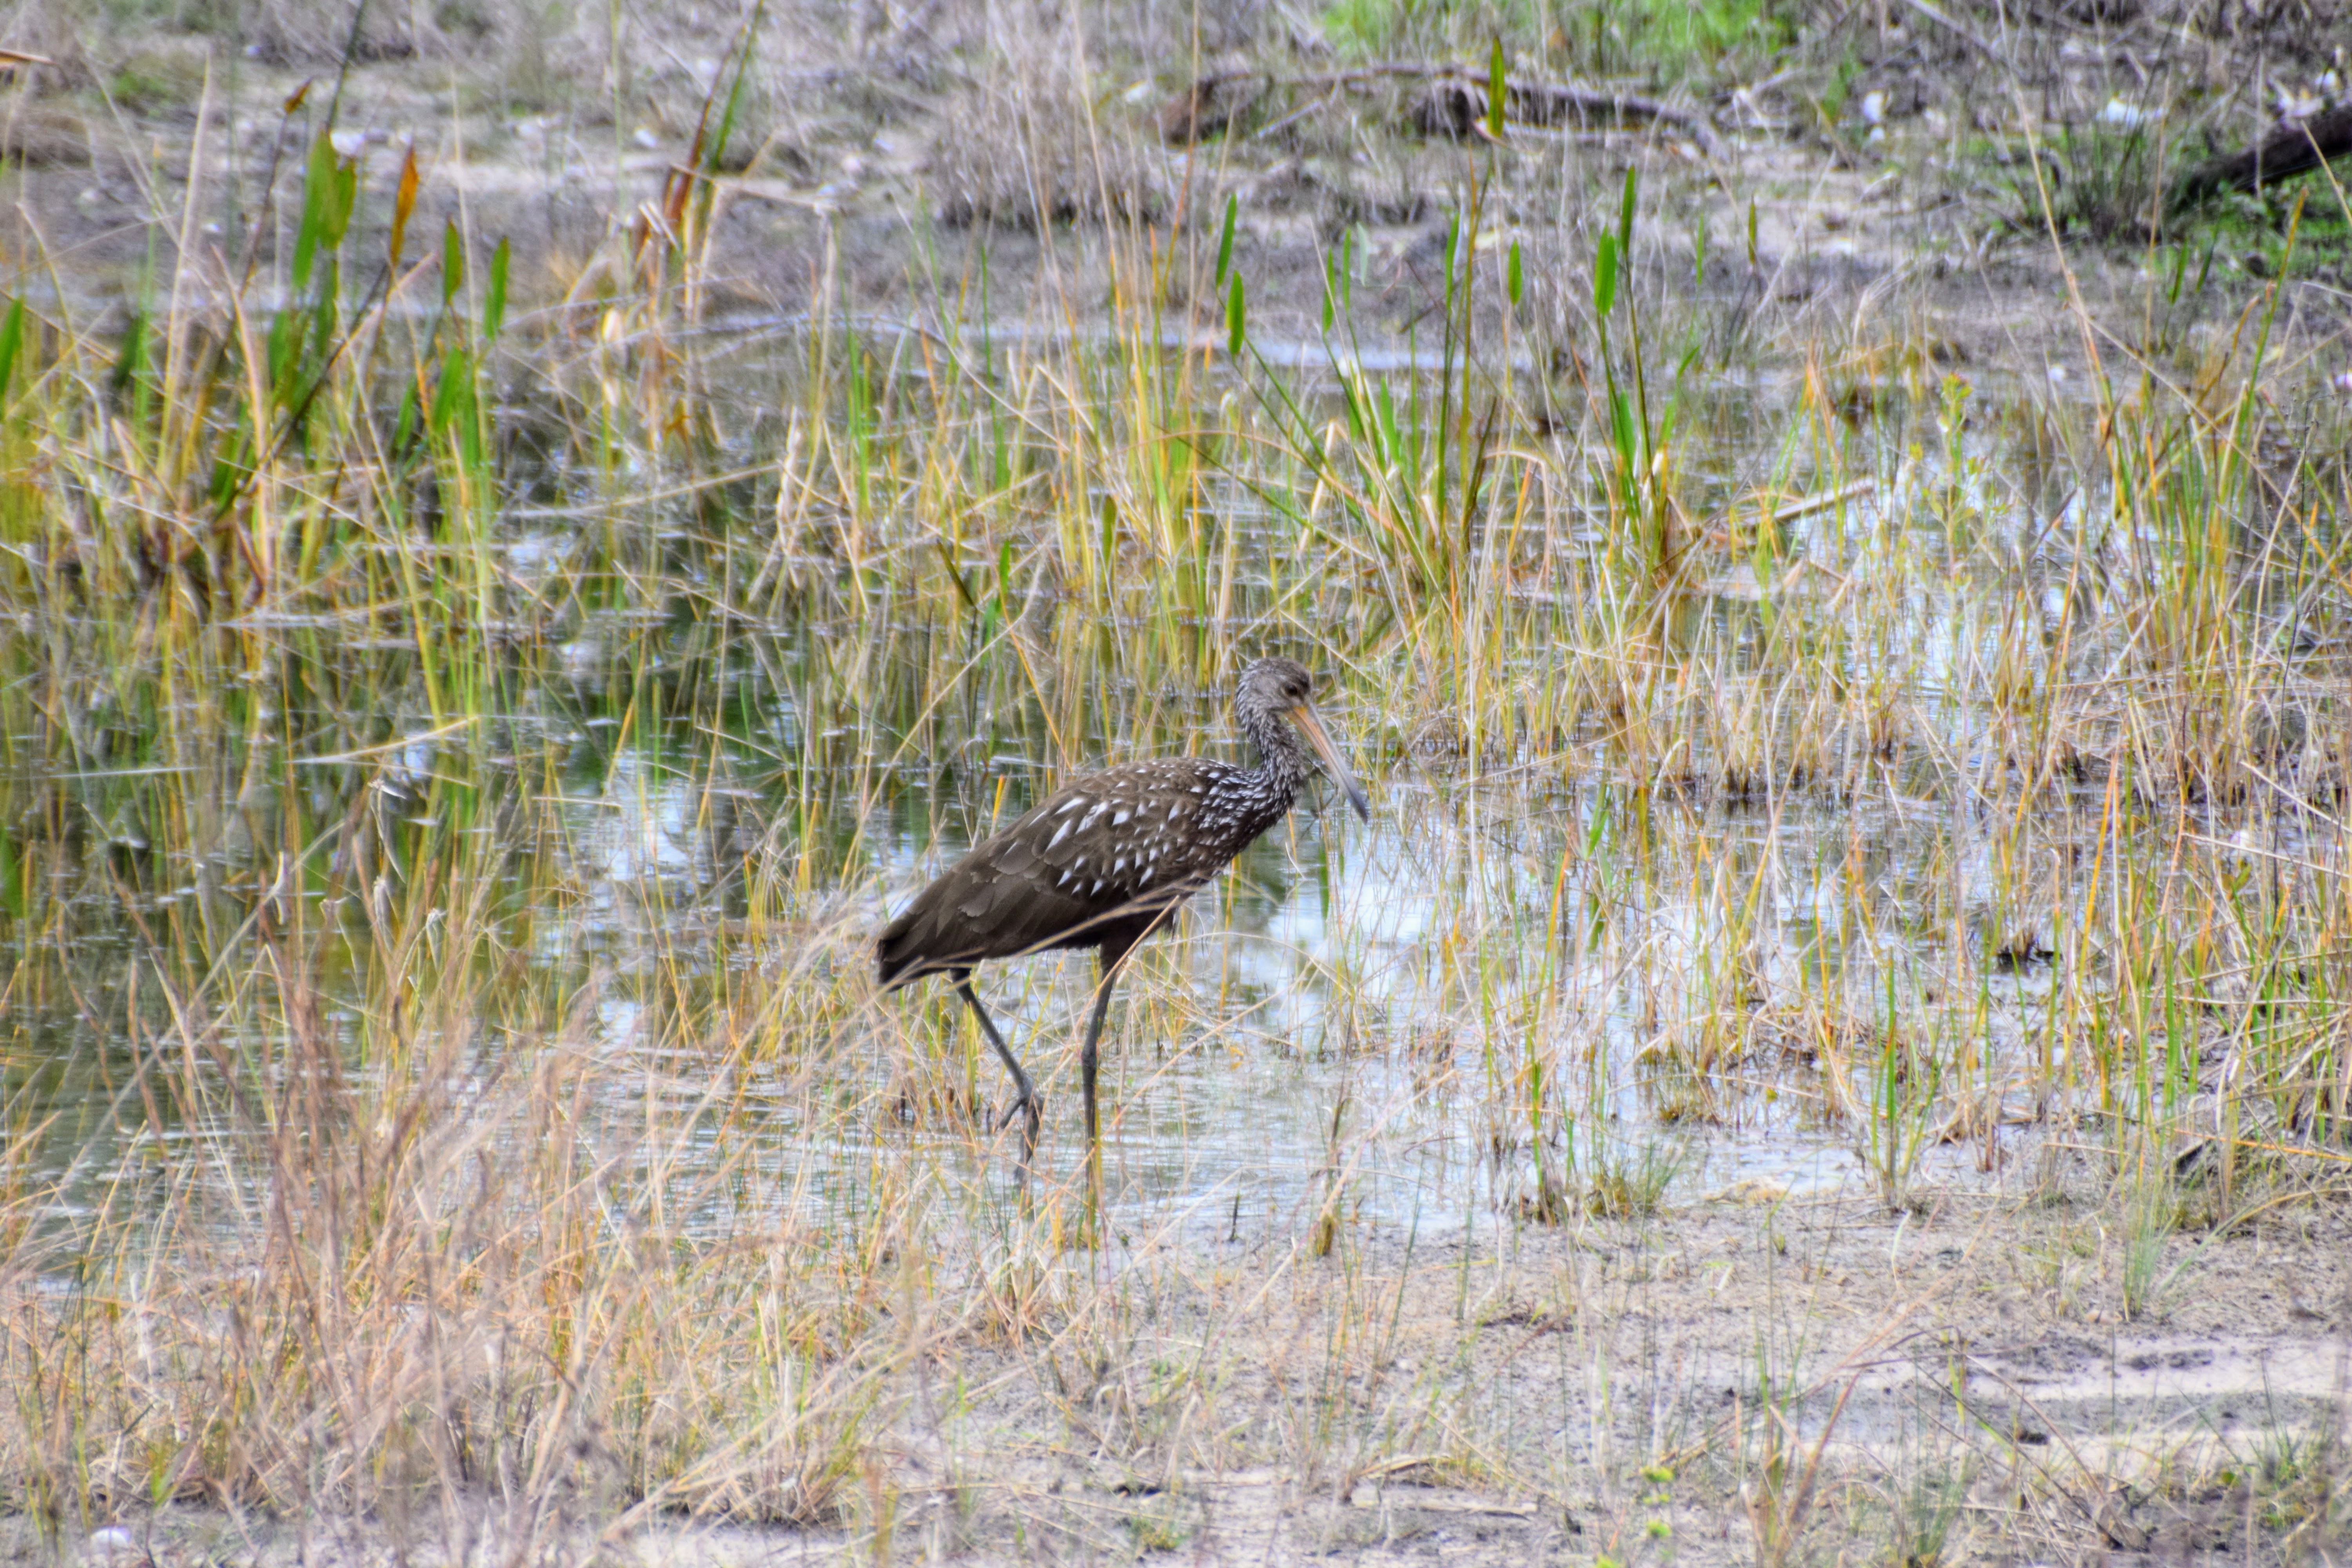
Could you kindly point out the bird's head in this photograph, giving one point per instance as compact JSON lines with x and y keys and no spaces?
{"x":1281,"y":688}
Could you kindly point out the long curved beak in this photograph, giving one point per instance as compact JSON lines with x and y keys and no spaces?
{"x":1310,"y":726}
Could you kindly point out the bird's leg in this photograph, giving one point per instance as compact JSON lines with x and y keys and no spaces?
{"x":1089,"y":1059}
{"x":1090,"y":1055}
{"x":1024,"y":1098}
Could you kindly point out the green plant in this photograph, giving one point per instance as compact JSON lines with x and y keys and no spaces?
{"x":1780,"y":1481}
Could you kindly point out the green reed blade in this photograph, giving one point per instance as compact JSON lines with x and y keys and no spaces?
{"x":342,"y":199}
{"x":494,"y":299}
{"x":450,"y":397}
{"x":317,"y":177}
{"x":325,"y":315}
{"x":404,"y":426}
{"x":453,"y":262}
{"x":12,"y":338}
{"x":1498,"y":90}
{"x":131,"y":361}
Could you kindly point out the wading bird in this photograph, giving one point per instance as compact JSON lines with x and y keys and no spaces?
{"x":1106,"y":860}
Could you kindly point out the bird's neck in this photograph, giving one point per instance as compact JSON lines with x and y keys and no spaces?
{"x":1283,"y":764}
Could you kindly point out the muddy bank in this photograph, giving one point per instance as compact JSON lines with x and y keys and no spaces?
{"x":1936,"y":215}
{"x":1548,"y":1394}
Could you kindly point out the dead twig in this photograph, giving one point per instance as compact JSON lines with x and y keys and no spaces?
{"x":2290,"y":149}
{"x":1455,"y":104}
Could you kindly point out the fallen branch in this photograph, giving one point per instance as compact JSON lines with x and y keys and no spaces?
{"x":1455,"y":104}
{"x":2290,"y":149}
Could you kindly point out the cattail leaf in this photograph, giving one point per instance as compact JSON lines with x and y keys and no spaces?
{"x":132,"y":360}
{"x":404,"y":427}
{"x":342,"y":200}
{"x":1512,"y":283}
{"x":494,"y":300}
{"x":457,"y":381}
{"x":323,"y":313}
{"x":317,"y":179}
{"x":1225,"y":239}
{"x":1236,"y":319}
{"x":12,"y":339}
{"x":1604,"y":275}
{"x":1498,"y":90}
{"x":453,"y":263}
{"x":715,"y":159}
{"x":279,"y":351}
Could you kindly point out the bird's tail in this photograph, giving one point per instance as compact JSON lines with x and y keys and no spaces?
{"x":895,"y":953}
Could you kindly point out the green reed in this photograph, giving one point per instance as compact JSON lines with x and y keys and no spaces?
{"x":478,"y":878}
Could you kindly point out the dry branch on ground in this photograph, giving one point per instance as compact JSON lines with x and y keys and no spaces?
{"x":1452,"y":101}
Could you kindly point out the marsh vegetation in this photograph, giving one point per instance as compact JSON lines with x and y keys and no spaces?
{"x":1832,"y":1044}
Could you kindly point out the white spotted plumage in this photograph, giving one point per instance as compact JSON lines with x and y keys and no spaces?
{"x":1041,"y":883}
{"x":1105,"y":857}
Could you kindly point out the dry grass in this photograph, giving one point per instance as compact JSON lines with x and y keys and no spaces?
{"x":1852,"y":946}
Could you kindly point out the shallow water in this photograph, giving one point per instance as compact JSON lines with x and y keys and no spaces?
{"x":1238,"y":1118}
{"x":1357,"y":1016}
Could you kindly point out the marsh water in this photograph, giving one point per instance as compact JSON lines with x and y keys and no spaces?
{"x":1548,"y":951}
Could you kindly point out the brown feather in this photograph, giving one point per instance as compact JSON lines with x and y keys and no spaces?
{"x":1105,"y":859}
{"x":1035,"y":886}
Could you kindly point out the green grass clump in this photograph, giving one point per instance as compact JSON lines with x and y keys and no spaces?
{"x":1666,"y":43}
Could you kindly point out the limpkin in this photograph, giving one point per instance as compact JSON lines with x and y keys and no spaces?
{"x":1107,"y":860}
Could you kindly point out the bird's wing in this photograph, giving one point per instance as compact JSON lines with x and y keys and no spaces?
{"x":1082,"y":859}
{"x":1130,"y":832}
{"x":1096,"y":853}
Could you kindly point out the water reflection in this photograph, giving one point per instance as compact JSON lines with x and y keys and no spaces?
{"x":1560,"y":932}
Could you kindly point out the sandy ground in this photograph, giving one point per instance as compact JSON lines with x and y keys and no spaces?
{"x":1552,"y":1394}
{"x":1903,"y":246}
